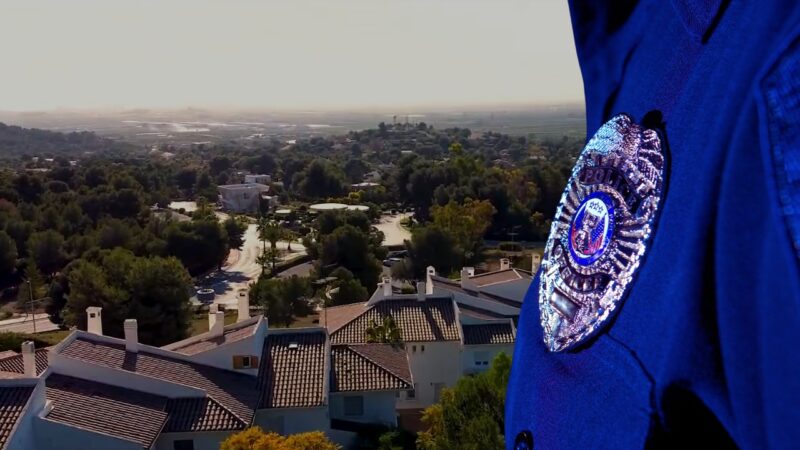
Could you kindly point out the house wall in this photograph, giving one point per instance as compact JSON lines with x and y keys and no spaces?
{"x":52,"y":435}
{"x":379,"y":407}
{"x":293,"y":420}
{"x":485,"y":352}
{"x":222,"y":356}
{"x":233,"y":198}
{"x":440,"y":362}
{"x":206,"y":440}
{"x":23,"y":436}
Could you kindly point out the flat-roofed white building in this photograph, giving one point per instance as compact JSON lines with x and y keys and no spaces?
{"x":241,"y":198}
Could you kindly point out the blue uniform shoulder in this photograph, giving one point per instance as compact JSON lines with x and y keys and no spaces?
{"x":779,"y":109}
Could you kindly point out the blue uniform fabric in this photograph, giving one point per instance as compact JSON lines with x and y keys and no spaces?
{"x":706,"y":347}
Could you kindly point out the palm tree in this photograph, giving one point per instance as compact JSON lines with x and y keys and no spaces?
{"x":269,"y":230}
{"x":386,"y":332}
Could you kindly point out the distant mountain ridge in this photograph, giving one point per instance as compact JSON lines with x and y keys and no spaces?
{"x":15,"y":140}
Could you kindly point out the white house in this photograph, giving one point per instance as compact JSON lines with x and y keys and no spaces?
{"x":241,"y":198}
{"x":257,"y":178}
{"x":98,"y":392}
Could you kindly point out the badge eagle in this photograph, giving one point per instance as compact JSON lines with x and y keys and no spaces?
{"x":600,"y":232}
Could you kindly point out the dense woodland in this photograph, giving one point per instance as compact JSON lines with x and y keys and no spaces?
{"x":81,"y":217}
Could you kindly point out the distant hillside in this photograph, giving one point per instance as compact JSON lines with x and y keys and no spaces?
{"x":15,"y":141}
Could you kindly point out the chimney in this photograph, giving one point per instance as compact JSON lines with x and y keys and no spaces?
{"x":387,"y":287}
{"x":421,"y":290}
{"x":505,"y":264}
{"x":94,"y":320}
{"x":212,"y":315}
{"x":429,"y":272}
{"x":131,"y":335}
{"x":217,"y":323}
{"x":536,"y":261}
{"x":29,"y":359}
{"x":244,"y":308}
{"x":466,"y":283}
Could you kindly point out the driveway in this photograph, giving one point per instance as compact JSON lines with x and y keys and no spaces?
{"x":241,"y":269}
{"x":393,"y":233}
{"x":24,"y":324}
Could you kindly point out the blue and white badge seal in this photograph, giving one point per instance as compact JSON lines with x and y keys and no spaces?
{"x":600,"y":232}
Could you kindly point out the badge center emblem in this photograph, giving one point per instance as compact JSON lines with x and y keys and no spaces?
{"x":601,"y":231}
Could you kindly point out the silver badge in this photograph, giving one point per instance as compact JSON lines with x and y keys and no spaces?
{"x":600,"y":232}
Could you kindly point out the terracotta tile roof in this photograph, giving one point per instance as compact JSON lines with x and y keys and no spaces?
{"x":489,"y":333}
{"x":431,"y":320}
{"x":200,"y":343}
{"x":236,"y":392}
{"x":335,"y":317}
{"x":13,"y":363}
{"x":369,"y":367}
{"x":499,"y":276}
{"x":123,"y":413}
{"x":12,"y":402}
{"x":292,"y":370}
{"x":200,"y":414}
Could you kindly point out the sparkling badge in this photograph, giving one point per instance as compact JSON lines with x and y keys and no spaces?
{"x":601,"y":231}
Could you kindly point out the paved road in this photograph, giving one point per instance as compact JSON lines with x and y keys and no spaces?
{"x":24,"y":324}
{"x":394,"y":233}
{"x":242,"y":267}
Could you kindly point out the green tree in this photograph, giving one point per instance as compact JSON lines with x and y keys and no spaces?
{"x":383,"y":332}
{"x":319,"y":180}
{"x":470,"y":415}
{"x":432,"y":246}
{"x":200,"y":245}
{"x":8,"y":255}
{"x":282,"y":299}
{"x":153,"y":290}
{"x":347,"y":288}
{"x":352,"y":249}
{"x":47,"y":250}
{"x":235,"y":228}
{"x":466,"y":223}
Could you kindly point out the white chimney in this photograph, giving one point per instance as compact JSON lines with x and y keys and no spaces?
{"x":131,"y":335}
{"x":212,"y":314}
{"x":505,"y":264}
{"x":244,"y":308}
{"x":94,"y":320}
{"x":536,"y":261}
{"x":217,"y":324}
{"x":421,"y":290}
{"x":429,"y":273}
{"x":387,"y":287}
{"x":29,"y":359}
{"x":466,"y":283}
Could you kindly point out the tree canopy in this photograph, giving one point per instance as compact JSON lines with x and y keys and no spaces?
{"x":153,"y":290}
{"x":255,"y":438}
{"x":470,"y":415}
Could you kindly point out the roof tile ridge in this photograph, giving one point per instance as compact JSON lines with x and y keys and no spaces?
{"x":350,"y":347}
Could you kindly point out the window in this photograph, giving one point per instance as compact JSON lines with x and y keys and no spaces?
{"x":354,"y":406}
{"x":414,"y":348}
{"x":246,"y":363}
{"x":481,"y":358}
{"x":183,"y":444}
{"x":411,"y":394}
{"x":422,"y":348}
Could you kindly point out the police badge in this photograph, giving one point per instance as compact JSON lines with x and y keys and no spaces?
{"x":600,"y":232}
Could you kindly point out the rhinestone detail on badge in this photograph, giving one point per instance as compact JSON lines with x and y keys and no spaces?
{"x":600,"y":232}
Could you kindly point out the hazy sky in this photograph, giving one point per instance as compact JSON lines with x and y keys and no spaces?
{"x":285,"y":54}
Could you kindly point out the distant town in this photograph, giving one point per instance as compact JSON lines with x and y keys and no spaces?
{"x":309,"y":274}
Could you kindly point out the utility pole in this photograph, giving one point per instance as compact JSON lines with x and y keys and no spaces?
{"x":33,"y":311}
